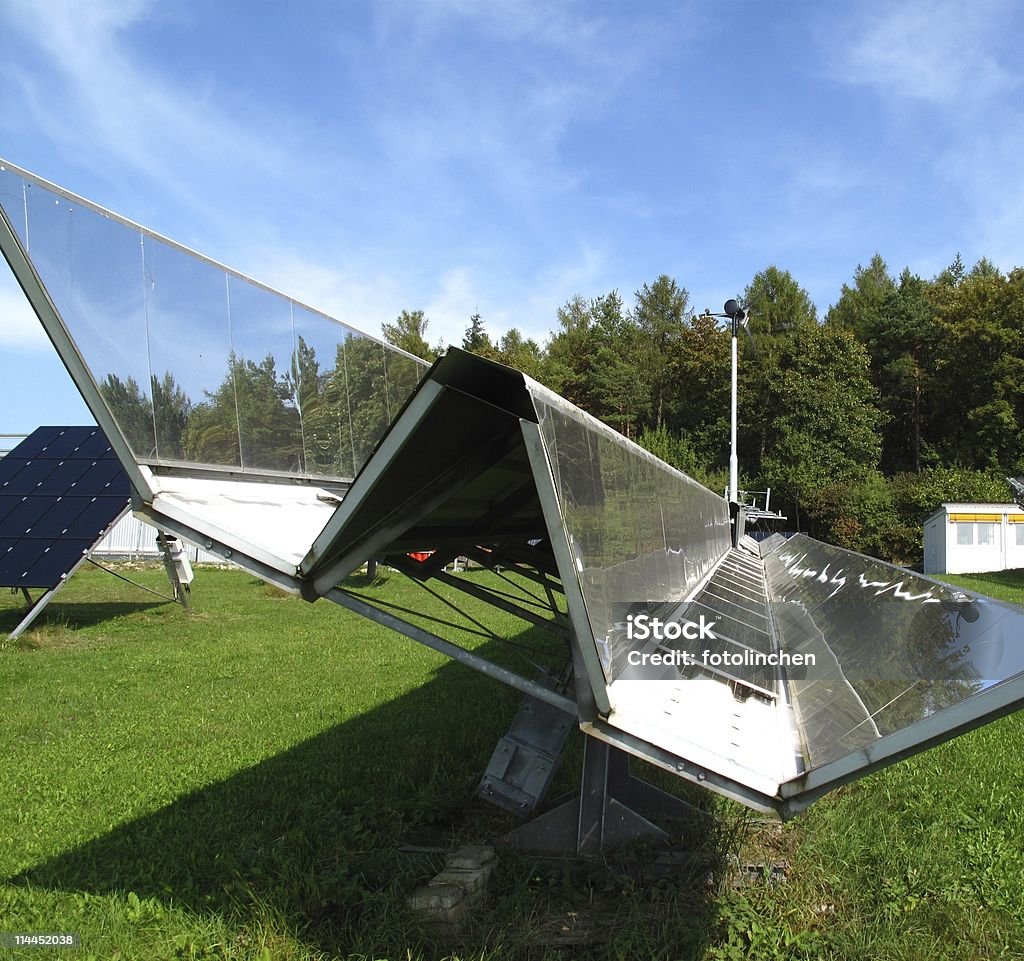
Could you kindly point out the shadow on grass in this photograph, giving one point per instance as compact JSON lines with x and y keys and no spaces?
{"x":312,"y":841}
{"x":72,"y":615}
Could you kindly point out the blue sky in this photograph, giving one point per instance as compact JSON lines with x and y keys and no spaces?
{"x":502,"y":156}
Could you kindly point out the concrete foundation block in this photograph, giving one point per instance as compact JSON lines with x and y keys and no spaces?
{"x":462,"y":885}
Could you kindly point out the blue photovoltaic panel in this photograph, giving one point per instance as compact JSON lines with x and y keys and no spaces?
{"x":60,"y":489}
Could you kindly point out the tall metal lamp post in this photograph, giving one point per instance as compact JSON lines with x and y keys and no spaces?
{"x":737,"y":315}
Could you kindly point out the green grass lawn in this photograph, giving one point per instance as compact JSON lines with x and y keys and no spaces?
{"x":247,"y":781}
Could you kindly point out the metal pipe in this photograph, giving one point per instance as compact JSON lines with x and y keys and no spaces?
{"x":734,"y":464}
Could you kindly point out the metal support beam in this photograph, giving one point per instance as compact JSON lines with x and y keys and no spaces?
{"x":34,"y":611}
{"x":456,"y":653}
{"x":179,"y":590}
{"x":503,"y":558}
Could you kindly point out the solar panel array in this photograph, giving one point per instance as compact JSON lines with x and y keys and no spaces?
{"x":60,"y":489}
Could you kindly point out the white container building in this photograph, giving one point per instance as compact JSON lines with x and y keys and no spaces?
{"x":974,"y":538}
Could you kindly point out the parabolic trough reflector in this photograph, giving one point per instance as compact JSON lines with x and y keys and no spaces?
{"x":300,"y":448}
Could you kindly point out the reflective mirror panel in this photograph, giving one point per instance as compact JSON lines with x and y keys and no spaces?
{"x":366,"y":374}
{"x":198,"y":364}
{"x":264,"y":375}
{"x":94,"y":267}
{"x":13,"y":189}
{"x":189,"y":337}
{"x":642,"y":534}
{"x":325,"y":406}
{"x":891,"y":647}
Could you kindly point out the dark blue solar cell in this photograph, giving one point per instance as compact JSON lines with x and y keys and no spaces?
{"x":10,"y":466}
{"x":55,"y":503}
{"x":33,"y":445}
{"x":95,"y":446}
{"x":16,"y":562}
{"x":25,"y":516}
{"x":64,"y":477}
{"x":119,"y":484}
{"x":104,"y":477}
{"x":30,"y":477}
{"x":61,"y":517}
{"x":67,"y":443}
{"x":97,"y":517}
{"x":8,"y":503}
{"x":54,"y":563}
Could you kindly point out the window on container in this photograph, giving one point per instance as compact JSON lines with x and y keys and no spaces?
{"x":986,"y":535}
{"x":1019,"y":528}
{"x":964,"y":533}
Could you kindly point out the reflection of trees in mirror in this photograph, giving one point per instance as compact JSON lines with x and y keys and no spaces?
{"x":251,"y":420}
{"x":616,"y":505}
{"x":403,"y":376}
{"x":172,"y":407}
{"x":268,"y":419}
{"x":320,"y":413}
{"x":211,"y":435}
{"x":360,"y":377}
{"x":133,"y":412}
{"x":305,"y":420}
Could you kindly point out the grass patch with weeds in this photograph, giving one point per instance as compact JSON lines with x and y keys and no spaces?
{"x":244,"y":782}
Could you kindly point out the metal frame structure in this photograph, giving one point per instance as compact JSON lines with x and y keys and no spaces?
{"x":485,"y":463}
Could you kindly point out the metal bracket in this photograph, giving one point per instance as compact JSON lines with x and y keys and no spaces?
{"x":605,"y":813}
{"x":525,"y":760}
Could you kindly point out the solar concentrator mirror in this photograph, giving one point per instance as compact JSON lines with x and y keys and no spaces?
{"x":301,"y":448}
{"x":901,"y":660}
{"x":208,"y":383}
{"x":199,"y":365}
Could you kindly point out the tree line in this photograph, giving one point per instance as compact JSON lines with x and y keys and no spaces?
{"x":907,"y":393}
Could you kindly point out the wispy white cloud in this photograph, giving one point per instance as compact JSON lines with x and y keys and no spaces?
{"x":497,"y":89}
{"x":582,"y":33}
{"x":928,"y":50}
{"x":586,"y":271}
{"x":455,"y":300}
{"x":952,"y":79}
{"x":424,"y":146}
{"x":97,"y":97}
{"x":984,"y":168}
{"x":528,"y":301}
{"x":363,"y":299}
